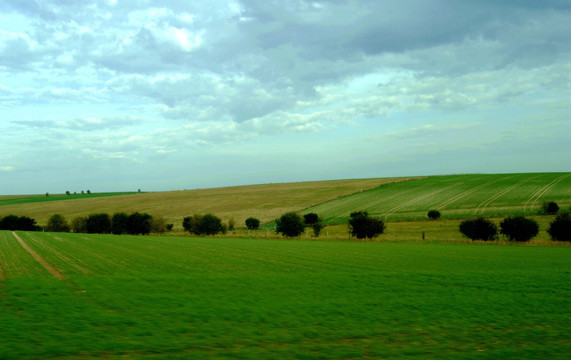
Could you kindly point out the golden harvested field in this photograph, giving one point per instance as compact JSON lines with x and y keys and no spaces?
{"x":265,"y":202}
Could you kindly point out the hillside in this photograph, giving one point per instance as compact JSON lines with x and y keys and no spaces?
{"x":266,"y":202}
{"x":455,"y":196}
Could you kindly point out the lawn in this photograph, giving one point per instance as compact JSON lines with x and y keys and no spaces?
{"x":181,"y":297}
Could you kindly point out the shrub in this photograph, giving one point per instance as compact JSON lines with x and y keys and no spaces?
{"x":14,"y":222}
{"x":119,"y":223}
{"x":98,"y":224}
{"x":139,"y":224}
{"x":363,"y":226}
{"x":479,"y":229}
{"x":58,"y":223}
{"x":252,"y":223}
{"x":158,"y":224}
{"x":290,"y":224}
{"x":231,"y":224}
{"x":203,"y":224}
{"x":433,"y":214}
{"x":560,"y":228}
{"x":310,"y":219}
{"x":317,"y":227}
{"x":79,"y":224}
{"x":550,"y":208}
{"x":519,"y":228}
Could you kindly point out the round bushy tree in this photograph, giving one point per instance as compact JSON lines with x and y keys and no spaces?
{"x":203,"y":224}
{"x":433,"y":214}
{"x":479,"y":229}
{"x":519,"y":228}
{"x":363,"y":226}
{"x":550,"y":208}
{"x":560,"y":228}
{"x":290,"y":225}
{"x":252,"y":223}
{"x":310,"y":219}
{"x":139,"y":224}
{"x":58,"y":223}
{"x":119,"y":223}
{"x":98,"y":224}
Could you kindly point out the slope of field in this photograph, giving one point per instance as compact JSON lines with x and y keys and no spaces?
{"x":454,"y":196}
{"x":27,"y":199}
{"x":266,"y":202}
{"x":183,"y":298}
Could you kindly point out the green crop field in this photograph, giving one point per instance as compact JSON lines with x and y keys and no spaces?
{"x":29,"y":199}
{"x":455,"y":196}
{"x":129,"y":297}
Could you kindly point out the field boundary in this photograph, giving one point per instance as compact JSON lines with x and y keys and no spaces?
{"x":39,"y":259}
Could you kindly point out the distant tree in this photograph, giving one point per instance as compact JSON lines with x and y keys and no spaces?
{"x":252,"y":223}
{"x":10,"y":222}
{"x":98,"y":224}
{"x":58,"y":223}
{"x":82,"y":192}
{"x":79,"y":224}
{"x":119,"y":223}
{"x":139,"y":224}
{"x":560,"y":228}
{"x":550,"y":207}
{"x":317,"y":227}
{"x":231,"y":224}
{"x":479,"y":229}
{"x":310,"y":218}
{"x":158,"y":224}
{"x":203,"y":224}
{"x":363,"y":226}
{"x":169,"y":227}
{"x":433,"y":214}
{"x":519,"y":228}
{"x":47,"y":194}
{"x":290,"y":224}
{"x":67,"y":193}
{"x":88,"y":192}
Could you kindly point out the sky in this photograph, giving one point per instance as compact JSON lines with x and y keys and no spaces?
{"x":117,"y":95}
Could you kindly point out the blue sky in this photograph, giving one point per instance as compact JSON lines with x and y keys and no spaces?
{"x":125,"y":95}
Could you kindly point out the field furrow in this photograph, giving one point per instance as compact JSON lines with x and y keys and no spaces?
{"x":532,"y":201}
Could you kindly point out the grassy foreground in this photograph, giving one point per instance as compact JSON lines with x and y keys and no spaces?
{"x":179,"y":298}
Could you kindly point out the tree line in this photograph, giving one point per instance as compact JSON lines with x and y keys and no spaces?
{"x":290,"y":224}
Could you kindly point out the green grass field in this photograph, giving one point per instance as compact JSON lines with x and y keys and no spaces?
{"x":31,"y":199}
{"x":128,"y":297}
{"x":455,"y":196}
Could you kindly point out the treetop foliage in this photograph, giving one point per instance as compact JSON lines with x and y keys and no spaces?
{"x":479,"y":229}
{"x":519,"y":228}
{"x":290,"y":224}
{"x":363,"y":226}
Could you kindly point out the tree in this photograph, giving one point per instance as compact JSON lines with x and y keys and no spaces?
{"x":433,"y":214}
{"x":317,"y":227}
{"x":10,"y":222}
{"x":252,"y":223}
{"x":139,"y":224}
{"x":67,"y":193}
{"x":364,"y":226}
{"x":88,"y":192}
{"x":158,"y":224}
{"x":519,"y":228}
{"x":290,"y":224}
{"x":560,"y":228}
{"x":119,"y":223}
{"x":79,"y":224}
{"x":203,"y":224}
{"x":98,"y":224}
{"x":310,"y":218}
{"x":231,"y":224}
{"x":58,"y":223}
{"x":550,"y":208}
{"x":479,"y":229}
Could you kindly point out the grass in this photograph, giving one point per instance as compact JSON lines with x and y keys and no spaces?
{"x":455,"y":196}
{"x":179,"y":298}
{"x":31,"y":199}
{"x":266,"y":202}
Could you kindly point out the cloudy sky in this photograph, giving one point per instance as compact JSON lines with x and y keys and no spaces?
{"x":113,"y":95}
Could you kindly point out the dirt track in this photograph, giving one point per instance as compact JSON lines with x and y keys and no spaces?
{"x":39,"y":259}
